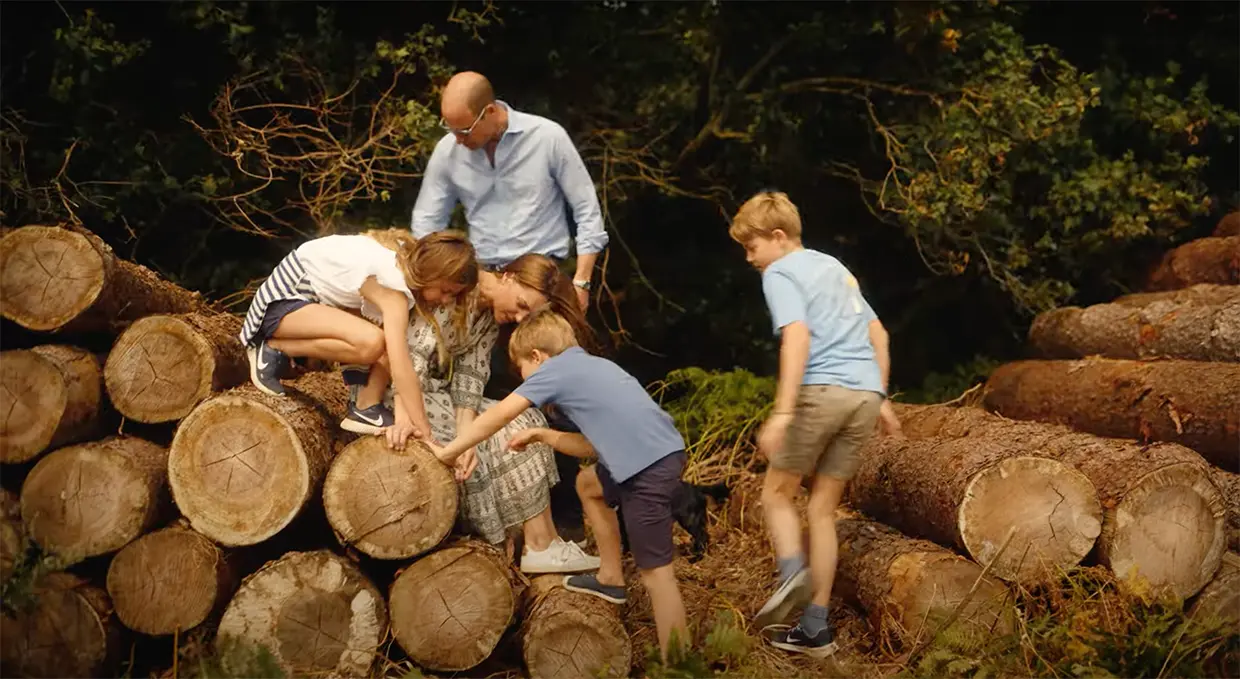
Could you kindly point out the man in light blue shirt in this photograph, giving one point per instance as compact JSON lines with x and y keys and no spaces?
{"x":513,"y":172}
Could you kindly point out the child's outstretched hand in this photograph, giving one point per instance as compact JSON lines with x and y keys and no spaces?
{"x":524,"y":438}
{"x":465,"y":465}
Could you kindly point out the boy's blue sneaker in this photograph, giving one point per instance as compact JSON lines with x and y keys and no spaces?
{"x":796,"y":640}
{"x":587,"y":583}
{"x":793,"y":592}
{"x":371,"y":420}
{"x":266,"y":366}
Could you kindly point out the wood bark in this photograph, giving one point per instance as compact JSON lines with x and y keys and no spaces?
{"x":12,"y":535}
{"x":450,"y":608}
{"x":908,"y":588}
{"x":1163,"y":520}
{"x":62,"y":278}
{"x":69,"y":631}
{"x":94,"y":498}
{"x":1187,"y":402}
{"x":1229,"y":225}
{"x":390,"y":504}
{"x":162,"y":366}
{"x":1202,"y":325}
{"x":969,"y":494}
{"x":244,"y":464}
{"x":1221,"y":598}
{"x":316,"y":612}
{"x":1228,"y":485}
{"x":170,"y":580}
{"x":50,"y":395}
{"x":566,"y":635}
{"x":1205,"y":260}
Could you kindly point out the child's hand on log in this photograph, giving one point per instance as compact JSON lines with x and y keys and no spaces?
{"x":524,"y":438}
{"x":771,"y":436}
{"x":465,"y":465}
{"x":398,"y":434}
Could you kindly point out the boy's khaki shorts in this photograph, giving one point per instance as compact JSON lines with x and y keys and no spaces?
{"x":829,"y":426}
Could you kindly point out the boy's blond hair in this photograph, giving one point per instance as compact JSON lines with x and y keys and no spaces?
{"x":762,"y":214}
{"x":543,"y":330}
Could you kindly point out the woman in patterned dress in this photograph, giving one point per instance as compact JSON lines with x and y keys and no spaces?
{"x":451,"y":351}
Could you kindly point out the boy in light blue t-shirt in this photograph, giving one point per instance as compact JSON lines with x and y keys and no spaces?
{"x":640,"y":458}
{"x":832,"y":391}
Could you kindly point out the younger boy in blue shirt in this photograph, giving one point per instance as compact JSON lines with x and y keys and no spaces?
{"x":640,"y":458}
{"x":832,"y":387}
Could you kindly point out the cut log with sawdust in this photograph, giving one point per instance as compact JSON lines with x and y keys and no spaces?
{"x":65,"y":278}
{"x":1229,"y":225}
{"x":50,"y":395}
{"x":1228,"y":485}
{"x":1163,"y":518}
{"x":94,"y":498}
{"x":12,"y":534}
{"x":968,"y":494}
{"x":1201,"y":323}
{"x":1221,"y":597}
{"x":565,"y":635}
{"x":67,"y":631}
{"x":169,"y":581}
{"x":390,"y":504}
{"x":450,"y":608}
{"x":162,"y":366}
{"x":910,"y":588}
{"x":315,"y":612}
{"x":244,"y":464}
{"x":1192,"y":403}
{"x":1205,"y":260}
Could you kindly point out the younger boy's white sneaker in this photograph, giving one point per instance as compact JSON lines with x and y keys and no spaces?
{"x":559,"y":557}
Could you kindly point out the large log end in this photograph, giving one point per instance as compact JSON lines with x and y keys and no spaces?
{"x":1221,"y":597}
{"x":1168,"y":532}
{"x":1050,"y":510}
{"x":315,"y":612}
{"x":94,"y":498}
{"x":567,"y":635}
{"x":390,"y":504}
{"x":240,"y":470}
{"x":48,"y":276}
{"x":50,"y":396}
{"x":67,"y":632}
{"x":450,"y":608}
{"x":162,"y":366}
{"x":168,"y":581}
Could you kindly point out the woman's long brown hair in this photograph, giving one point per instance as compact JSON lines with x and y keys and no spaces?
{"x":542,"y":274}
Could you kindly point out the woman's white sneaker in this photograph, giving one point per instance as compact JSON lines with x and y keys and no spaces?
{"x":559,"y":557}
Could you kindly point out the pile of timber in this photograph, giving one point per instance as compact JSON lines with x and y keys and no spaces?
{"x":162,"y":494}
{"x":1137,"y":398}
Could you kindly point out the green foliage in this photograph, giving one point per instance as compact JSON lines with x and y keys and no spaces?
{"x":726,"y":646}
{"x":1087,"y":627}
{"x":17,"y":591}
{"x":938,"y":387}
{"x":718,"y":413}
{"x":234,"y":658}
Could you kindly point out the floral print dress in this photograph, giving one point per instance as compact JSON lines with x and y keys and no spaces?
{"x":506,"y":489}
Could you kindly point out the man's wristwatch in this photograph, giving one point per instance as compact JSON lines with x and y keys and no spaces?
{"x":584,"y":285}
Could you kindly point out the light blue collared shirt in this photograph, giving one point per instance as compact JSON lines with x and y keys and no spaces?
{"x":518,"y":206}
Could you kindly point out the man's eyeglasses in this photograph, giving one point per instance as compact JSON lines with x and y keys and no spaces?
{"x":467,"y":131}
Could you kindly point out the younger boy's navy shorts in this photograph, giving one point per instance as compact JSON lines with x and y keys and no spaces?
{"x":645,"y":501}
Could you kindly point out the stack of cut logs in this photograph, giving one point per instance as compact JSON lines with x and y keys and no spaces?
{"x":1118,"y":445}
{"x":171,"y":495}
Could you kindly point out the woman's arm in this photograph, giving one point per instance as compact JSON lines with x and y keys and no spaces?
{"x":394,"y":307}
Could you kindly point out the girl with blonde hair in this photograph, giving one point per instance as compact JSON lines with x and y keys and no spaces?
{"x":451,"y":350}
{"x":324,"y":301}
